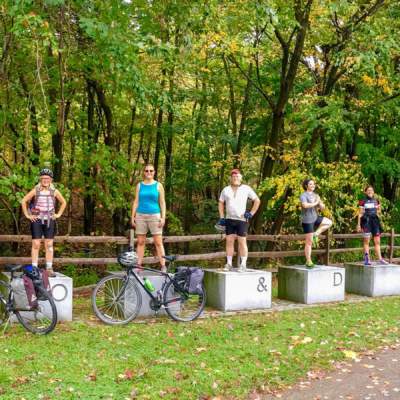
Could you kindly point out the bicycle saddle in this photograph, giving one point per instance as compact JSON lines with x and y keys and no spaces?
{"x":12,"y":268}
{"x":170,"y":258}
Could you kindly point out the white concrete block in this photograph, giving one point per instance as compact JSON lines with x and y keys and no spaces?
{"x":373,"y":280}
{"x":320,"y":284}
{"x":232,"y":290}
{"x":62,"y":290}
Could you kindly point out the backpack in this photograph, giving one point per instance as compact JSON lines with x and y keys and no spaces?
{"x":190,"y":279}
{"x":33,"y":202}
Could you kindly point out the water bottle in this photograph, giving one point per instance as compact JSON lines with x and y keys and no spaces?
{"x":148,"y":285}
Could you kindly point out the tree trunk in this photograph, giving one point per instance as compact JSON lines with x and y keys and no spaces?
{"x":90,"y":173}
{"x":35,"y":157}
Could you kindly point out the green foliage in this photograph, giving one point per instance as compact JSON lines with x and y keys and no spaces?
{"x":200,"y":83}
{"x":82,"y":276}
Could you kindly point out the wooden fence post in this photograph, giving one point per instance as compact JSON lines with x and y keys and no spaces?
{"x":391,"y":246}
{"x":132,"y":239}
{"x":327,"y":248}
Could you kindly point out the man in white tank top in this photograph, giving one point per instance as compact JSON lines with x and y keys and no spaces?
{"x":233,"y":203}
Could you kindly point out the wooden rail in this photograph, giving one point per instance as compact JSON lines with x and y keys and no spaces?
{"x":327,"y":251}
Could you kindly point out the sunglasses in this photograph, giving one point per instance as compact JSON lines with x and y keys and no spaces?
{"x":149,"y":170}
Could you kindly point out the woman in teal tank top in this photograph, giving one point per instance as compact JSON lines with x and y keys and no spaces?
{"x":148,"y":214}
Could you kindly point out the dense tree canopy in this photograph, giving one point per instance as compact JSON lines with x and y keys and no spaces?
{"x":283,"y":89}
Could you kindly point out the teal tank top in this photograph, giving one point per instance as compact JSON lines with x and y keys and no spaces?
{"x":148,"y":199}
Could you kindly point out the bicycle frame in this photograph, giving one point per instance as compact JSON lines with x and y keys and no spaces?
{"x":131,"y":272}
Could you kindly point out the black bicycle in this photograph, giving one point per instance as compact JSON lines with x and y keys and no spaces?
{"x":39,"y":319}
{"x":116,"y":299}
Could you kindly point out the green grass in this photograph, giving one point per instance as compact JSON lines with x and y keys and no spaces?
{"x":217,"y":356}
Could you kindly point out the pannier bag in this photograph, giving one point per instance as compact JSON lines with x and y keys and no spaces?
{"x":190,"y":278}
{"x":39,"y":278}
{"x":24,"y":293}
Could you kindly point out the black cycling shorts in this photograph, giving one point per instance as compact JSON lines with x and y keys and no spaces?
{"x":310,"y":228}
{"x":236,"y":227}
{"x":40,"y":230}
{"x":371,"y":225}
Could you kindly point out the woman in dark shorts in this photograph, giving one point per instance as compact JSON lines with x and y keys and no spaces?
{"x":369,"y":224}
{"x":39,"y":206}
{"x":313,"y":224}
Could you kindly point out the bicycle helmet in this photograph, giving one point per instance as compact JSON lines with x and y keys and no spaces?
{"x":220,"y":228}
{"x":46,"y":172}
{"x":128,"y":259}
{"x":32,"y":272}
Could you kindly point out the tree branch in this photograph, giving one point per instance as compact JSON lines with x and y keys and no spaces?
{"x":258,"y":87}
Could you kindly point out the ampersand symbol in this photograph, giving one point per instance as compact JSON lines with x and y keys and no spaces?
{"x":261,"y":287}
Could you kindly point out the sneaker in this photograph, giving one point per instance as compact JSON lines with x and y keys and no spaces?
{"x":366,"y":259}
{"x":51,"y":272}
{"x":315,"y":241}
{"x":163,"y":269}
{"x":382,"y":262}
{"x":242,"y":268}
{"x":228,"y":267}
{"x":310,"y":265}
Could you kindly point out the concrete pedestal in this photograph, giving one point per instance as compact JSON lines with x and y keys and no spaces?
{"x":232,"y":290}
{"x":157,"y":281}
{"x":373,"y":280}
{"x":62,"y":290}
{"x":320,"y":284}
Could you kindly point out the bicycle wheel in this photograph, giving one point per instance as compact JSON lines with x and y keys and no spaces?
{"x":42,"y":319}
{"x":115,"y":300}
{"x":181,"y":305}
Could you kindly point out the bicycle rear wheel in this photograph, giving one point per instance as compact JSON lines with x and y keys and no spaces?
{"x":116,"y":300}
{"x":42,"y":319}
{"x":181,"y":305}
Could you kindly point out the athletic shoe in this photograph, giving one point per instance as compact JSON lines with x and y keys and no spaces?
{"x":242,"y":268}
{"x":382,"y":262}
{"x":315,"y":240}
{"x":51,"y":273}
{"x":310,"y":265}
{"x":367,"y":262}
{"x":228,"y":267}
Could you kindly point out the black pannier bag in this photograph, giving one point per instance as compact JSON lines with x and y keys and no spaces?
{"x":190,"y":279}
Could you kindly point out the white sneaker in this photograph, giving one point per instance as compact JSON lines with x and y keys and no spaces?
{"x":227,"y":267}
{"x":242,"y":268}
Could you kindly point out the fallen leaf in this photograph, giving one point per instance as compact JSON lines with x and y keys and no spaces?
{"x":200,"y":350}
{"x":350,"y":354}
{"x":133,"y":394}
{"x":129,"y":374}
{"x":91,"y":376}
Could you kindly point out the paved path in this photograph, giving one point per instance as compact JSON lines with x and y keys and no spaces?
{"x":375,"y":376}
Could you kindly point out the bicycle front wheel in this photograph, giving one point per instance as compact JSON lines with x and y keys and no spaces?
{"x":42,"y":319}
{"x":116,"y":300}
{"x":181,"y":305}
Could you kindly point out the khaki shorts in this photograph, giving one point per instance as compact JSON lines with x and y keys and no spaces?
{"x":148,"y":222}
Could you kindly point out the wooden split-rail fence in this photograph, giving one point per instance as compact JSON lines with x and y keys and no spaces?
{"x":325,"y":250}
